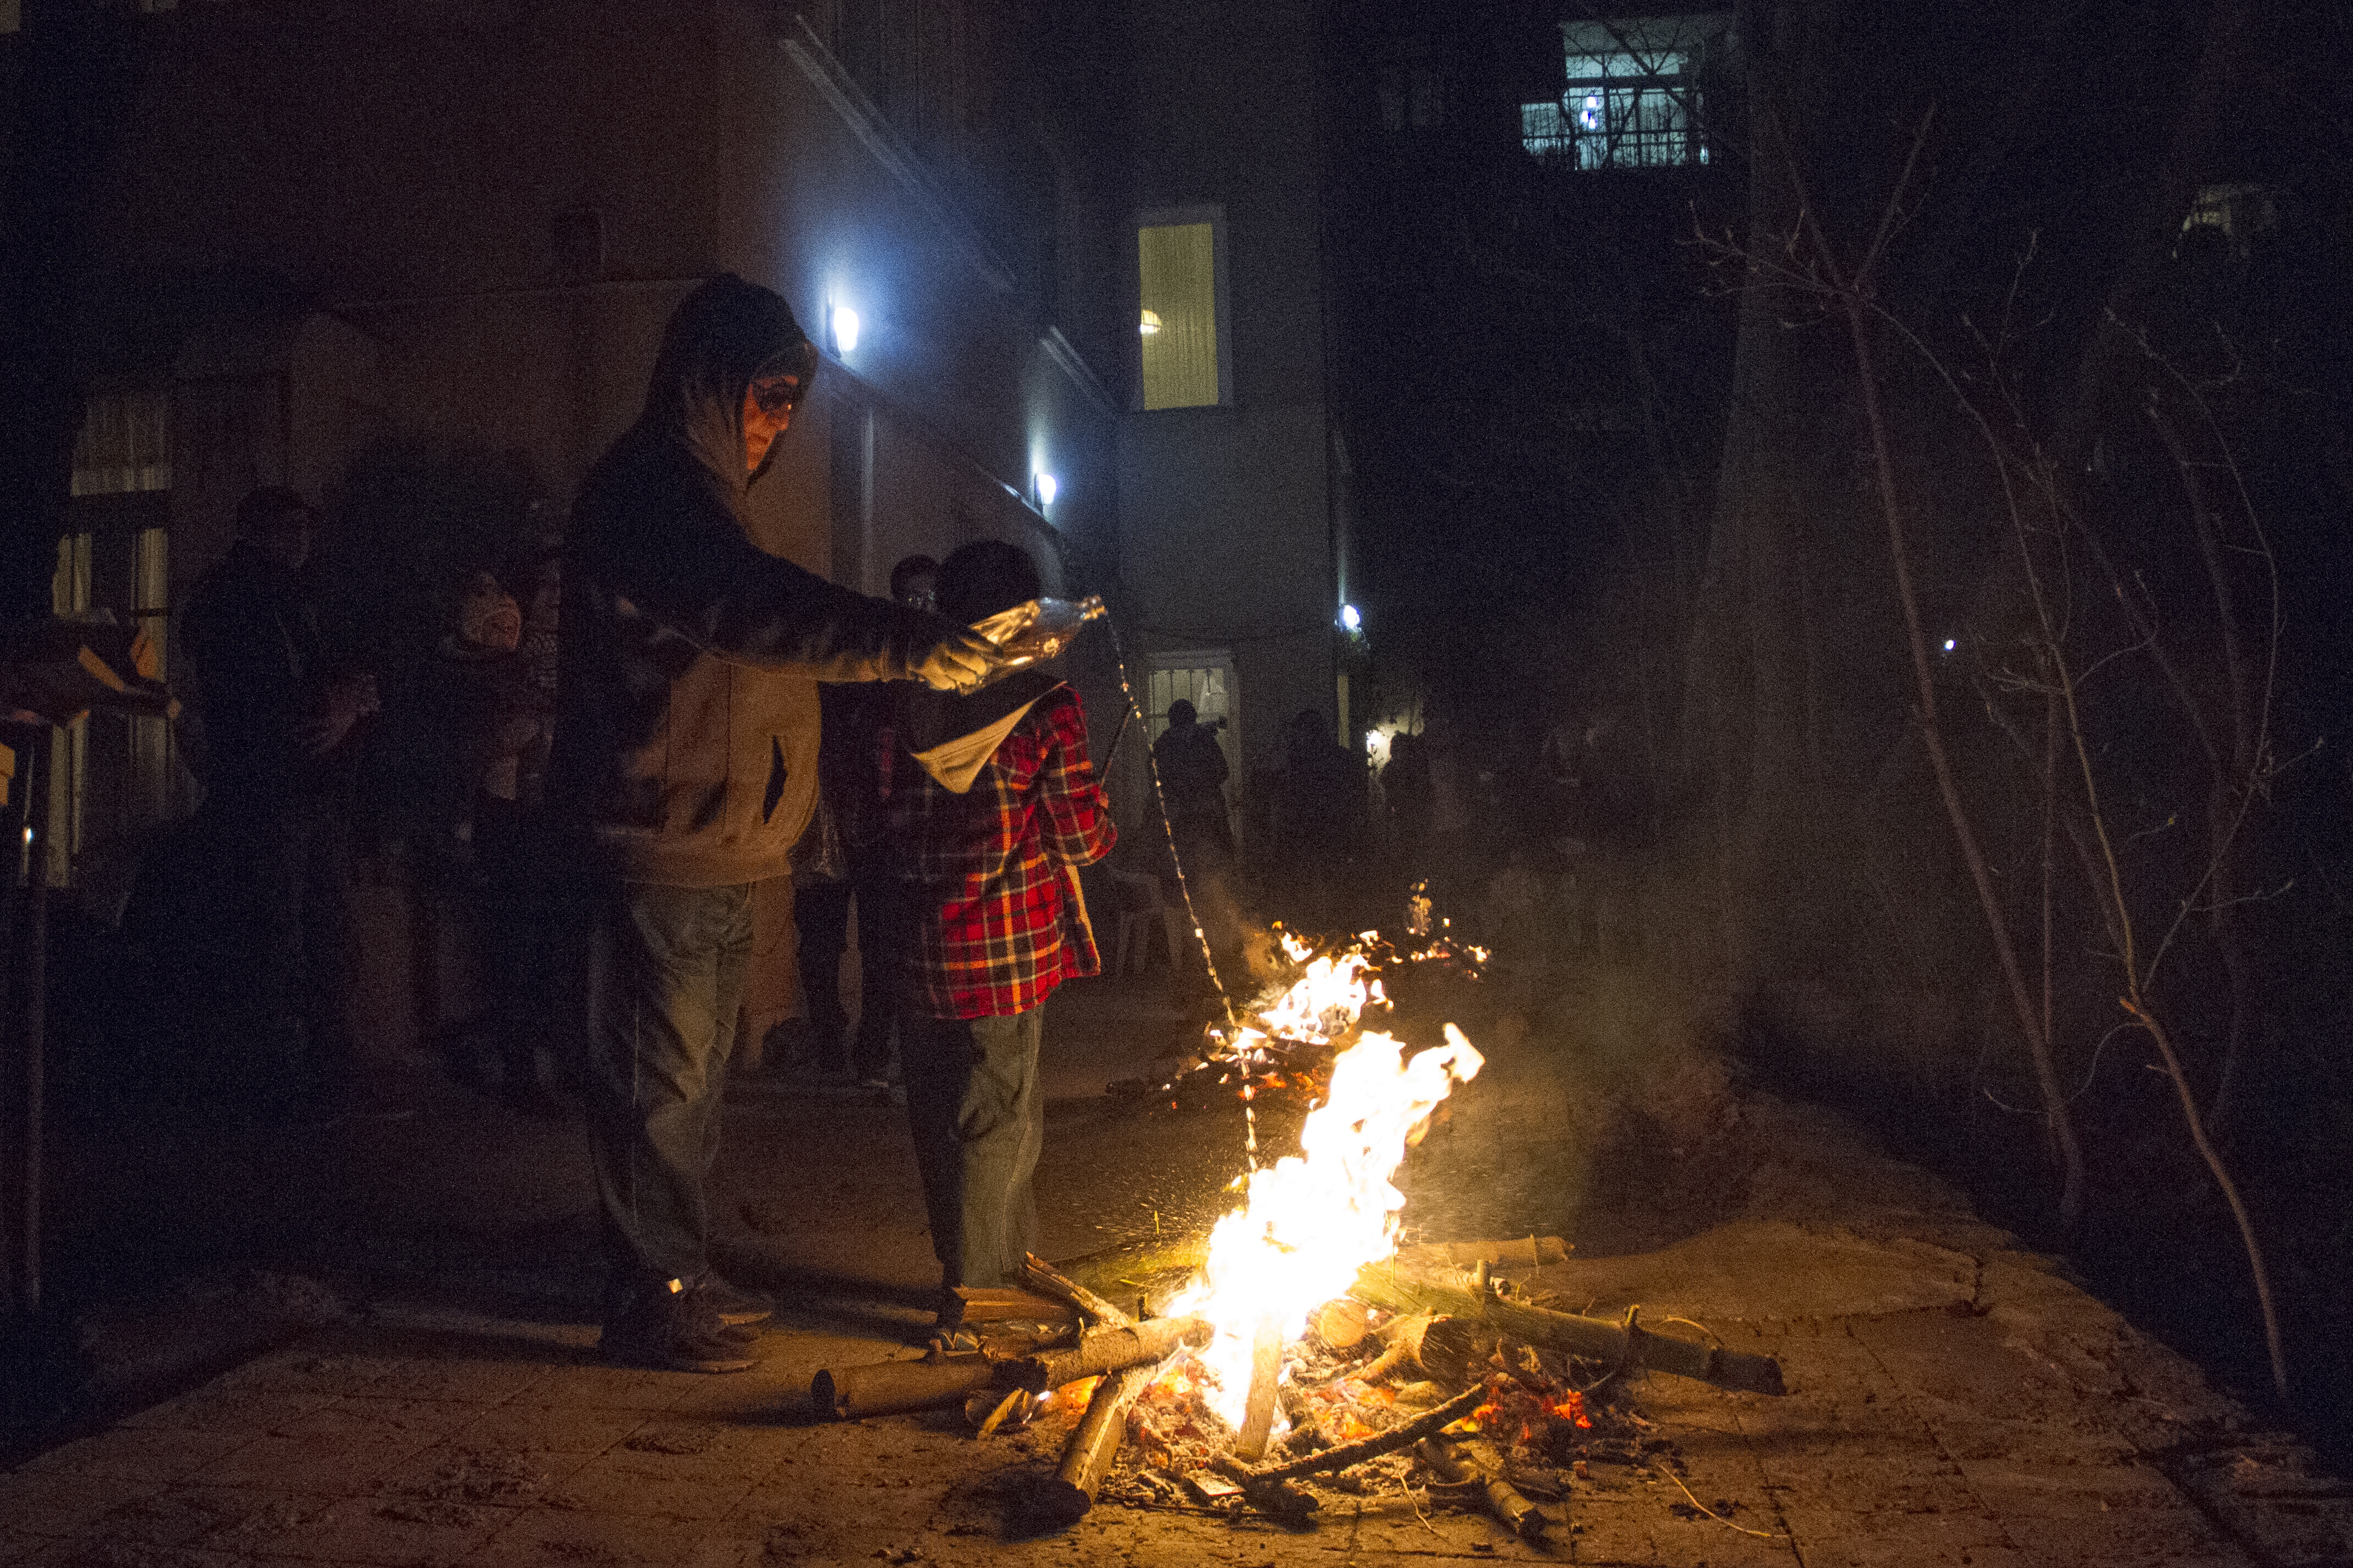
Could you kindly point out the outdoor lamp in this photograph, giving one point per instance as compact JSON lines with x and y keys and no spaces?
{"x":1350,"y":618}
{"x":844,"y":330}
{"x":1047,"y":486}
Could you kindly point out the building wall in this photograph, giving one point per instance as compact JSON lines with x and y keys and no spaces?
{"x":407,"y":164}
{"x":418,"y":171}
{"x":1226,"y":520}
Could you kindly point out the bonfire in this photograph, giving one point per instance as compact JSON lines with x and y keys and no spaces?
{"x":1307,"y":1343}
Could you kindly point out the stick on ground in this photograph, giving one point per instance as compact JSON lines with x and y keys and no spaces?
{"x":1379,"y":1443}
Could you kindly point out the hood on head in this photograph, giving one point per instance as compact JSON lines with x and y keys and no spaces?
{"x":717,"y":338}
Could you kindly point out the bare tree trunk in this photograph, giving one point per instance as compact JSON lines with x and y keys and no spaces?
{"x":2030,"y":1024}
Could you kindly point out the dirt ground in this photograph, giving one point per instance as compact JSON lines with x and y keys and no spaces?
{"x":374,"y":1346}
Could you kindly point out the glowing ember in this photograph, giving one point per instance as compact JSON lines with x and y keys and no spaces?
{"x":1313,"y":1219}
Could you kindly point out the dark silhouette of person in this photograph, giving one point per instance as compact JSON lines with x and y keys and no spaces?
{"x":277,"y":745}
{"x":854,"y":717}
{"x":1193,"y":770}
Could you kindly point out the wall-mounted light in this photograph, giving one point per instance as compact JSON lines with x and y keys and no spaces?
{"x":1047,"y":486}
{"x":844,"y":322}
{"x":1350,"y":619}
{"x":1150,"y":324}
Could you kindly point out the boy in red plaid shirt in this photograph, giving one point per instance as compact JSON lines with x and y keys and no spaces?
{"x":986,"y":842}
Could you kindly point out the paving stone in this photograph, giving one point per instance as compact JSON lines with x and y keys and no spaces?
{"x":465,"y":1472}
{"x":568,"y":1540}
{"x":181,"y":1515}
{"x":17,"y":1544}
{"x":426,"y":1420}
{"x":611,"y":1484}
{"x":348,"y":1465}
{"x":2019,"y":1491}
{"x":140,"y":1453}
{"x":546,"y":1428}
{"x":1937,"y":1537}
{"x":61,"y":1502}
{"x":110,"y":1553}
{"x":396,"y":1532}
{"x":221,"y":1408}
{"x":594,"y":1385}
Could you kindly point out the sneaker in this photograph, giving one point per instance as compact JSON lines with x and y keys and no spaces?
{"x":737,"y":1307}
{"x":666,"y":1327}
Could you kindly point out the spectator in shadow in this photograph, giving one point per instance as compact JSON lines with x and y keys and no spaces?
{"x":278,"y":729}
{"x":823,"y":902}
{"x":482,"y":734}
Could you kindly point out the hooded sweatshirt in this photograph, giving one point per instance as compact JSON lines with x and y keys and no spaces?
{"x":687,"y":722}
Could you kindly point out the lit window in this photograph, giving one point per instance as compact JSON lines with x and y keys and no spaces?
{"x":2236,"y":214}
{"x":1632,"y":95}
{"x":1178,"y":265}
{"x":125,"y":446}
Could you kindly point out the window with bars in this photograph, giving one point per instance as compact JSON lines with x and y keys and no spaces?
{"x":115,"y":773}
{"x":1411,"y":96}
{"x":1633,"y":95}
{"x":125,"y":446}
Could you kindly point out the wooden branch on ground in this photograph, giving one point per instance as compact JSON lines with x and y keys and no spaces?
{"x":1270,"y":1495}
{"x":1374,"y":1446}
{"x":1093,"y":1445}
{"x":1624,"y":1343}
{"x":986,"y":1304}
{"x":1523,"y":1252}
{"x":1105,"y":1351}
{"x":1045,"y":1278}
{"x":1505,"y":1500}
{"x":1266,"y":1372}
{"x":882,"y":1388}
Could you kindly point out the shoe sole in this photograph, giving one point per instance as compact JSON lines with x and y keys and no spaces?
{"x":745,"y":1320}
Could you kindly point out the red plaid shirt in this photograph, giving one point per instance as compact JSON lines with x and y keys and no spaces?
{"x":994,"y":928}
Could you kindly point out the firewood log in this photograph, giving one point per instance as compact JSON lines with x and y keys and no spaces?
{"x":1093,"y":1445}
{"x":1503,"y":1499}
{"x":881,"y":1388}
{"x":1105,"y":1351}
{"x":1526,"y":1252}
{"x":1625,"y":1343}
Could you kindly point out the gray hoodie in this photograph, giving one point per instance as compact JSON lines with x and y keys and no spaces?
{"x":686,"y":737}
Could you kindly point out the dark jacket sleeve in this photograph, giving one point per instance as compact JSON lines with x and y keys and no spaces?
{"x":687,"y":566}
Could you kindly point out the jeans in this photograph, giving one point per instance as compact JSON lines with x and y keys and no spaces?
{"x":881,"y":919}
{"x":821,"y":920}
{"x":277,"y":917}
{"x":979,"y":1122}
{"x":666,"y":971}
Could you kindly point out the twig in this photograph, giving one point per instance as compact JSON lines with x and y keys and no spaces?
{"x":1759,"y":1534}
{"x":1379,"y":1443}
{"x":1415,"y":1503}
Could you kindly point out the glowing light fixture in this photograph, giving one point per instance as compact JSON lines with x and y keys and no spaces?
{"x":844,"y":330}
{"x":1350,"y":618}
{"x":1150,"y":324}
{"x":1949,"y":644}
{"x":1047,"y":486}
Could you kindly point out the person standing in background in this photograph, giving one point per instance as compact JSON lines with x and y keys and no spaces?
{"x":854,"y":718}
{"x":276,"y":750}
